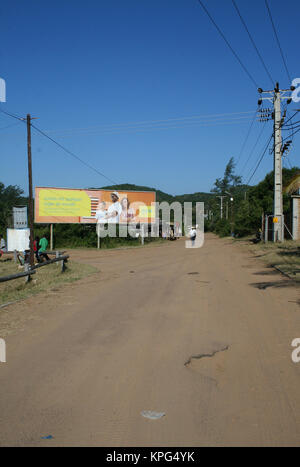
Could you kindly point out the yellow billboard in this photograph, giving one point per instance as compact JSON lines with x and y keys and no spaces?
{"x":64,"y":205}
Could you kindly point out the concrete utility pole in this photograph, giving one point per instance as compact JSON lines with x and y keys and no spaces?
{"x":221,"y":206}
{"x":231,"y":211}
{"x":276,"y":96}
{"x":278,"y":206}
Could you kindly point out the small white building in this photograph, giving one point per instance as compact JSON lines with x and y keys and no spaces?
{"x":293,"y":189}
{"x":296,"y":217}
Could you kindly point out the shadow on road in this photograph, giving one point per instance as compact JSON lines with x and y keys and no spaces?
{"x":271,"y":272}
{"x":280,"y":284}
{"x":295,"y":253}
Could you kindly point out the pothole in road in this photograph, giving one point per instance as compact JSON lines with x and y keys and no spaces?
{"x":193,"y":272}
{"x":205,"y":355}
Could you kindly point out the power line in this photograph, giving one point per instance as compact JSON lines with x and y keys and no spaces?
{"x":252,"y":150}
{"x":117,"y":126}
{"x":228,"y":44}
{"x":156,"y":127}
{"x":252,"y":41}
{"x":149,"y":124}
{"x":278,"y":42}
{"x":286,"y":160}
{"x":291,"y":135}
{"x":9,"y":126}
{"x":74,"y":155}
{"x":141,"y":129}
{"x":295,"y":132}
{"x":292,"y":126}
{"x":62,"y":147}
{"x":12,"y":115}
{"x":291,"y":117}
{"x":260,"y":160}
{"x":247,"y":136}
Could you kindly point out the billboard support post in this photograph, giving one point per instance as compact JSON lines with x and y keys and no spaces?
{"x":142,"y":234}
{"x":51,"y":237}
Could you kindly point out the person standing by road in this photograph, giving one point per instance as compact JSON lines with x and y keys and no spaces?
{"x":193,"y":235}
{"x":43,"y":248}
{"x":36,"y":244}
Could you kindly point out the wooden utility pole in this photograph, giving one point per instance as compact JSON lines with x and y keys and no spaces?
{"x":30,"y":190}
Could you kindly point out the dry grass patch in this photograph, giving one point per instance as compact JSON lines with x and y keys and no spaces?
{"x":45,"y":278}
{"x":285,"y":256}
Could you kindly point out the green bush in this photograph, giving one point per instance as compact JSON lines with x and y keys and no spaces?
{"x":83,"y":236}
{"x":223,"y":228}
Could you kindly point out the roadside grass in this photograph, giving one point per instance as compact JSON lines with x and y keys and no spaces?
{"x":50,"y":276}
{"x":45,"y":278}
{"x":113,"y":244}
{"x":284,"y":256}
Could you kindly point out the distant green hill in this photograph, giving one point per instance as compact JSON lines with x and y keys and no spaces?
{"x":194,"y":197}
{"x":162,"y":196}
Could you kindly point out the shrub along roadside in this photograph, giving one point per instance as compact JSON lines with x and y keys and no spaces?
{"x":244,"y":204}
{"x":84,"y":236}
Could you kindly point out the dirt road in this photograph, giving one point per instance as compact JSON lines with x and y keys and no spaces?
{"x":203,"y":335}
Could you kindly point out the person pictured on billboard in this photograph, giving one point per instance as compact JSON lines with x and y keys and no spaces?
{"x":101,"y":213}
{"x":114,"y":210}
{"x":127,"y":214}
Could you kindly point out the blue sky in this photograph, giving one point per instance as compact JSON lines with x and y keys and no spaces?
{"x":92,"y":71}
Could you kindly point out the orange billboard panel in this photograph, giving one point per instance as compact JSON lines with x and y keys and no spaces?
{"x":80,"y":206}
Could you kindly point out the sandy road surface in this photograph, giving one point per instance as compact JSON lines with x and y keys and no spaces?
{"x":85,"y":360}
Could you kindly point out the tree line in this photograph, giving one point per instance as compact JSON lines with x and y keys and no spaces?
{"x":246,"y":203}
{"x":241,"y":216}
